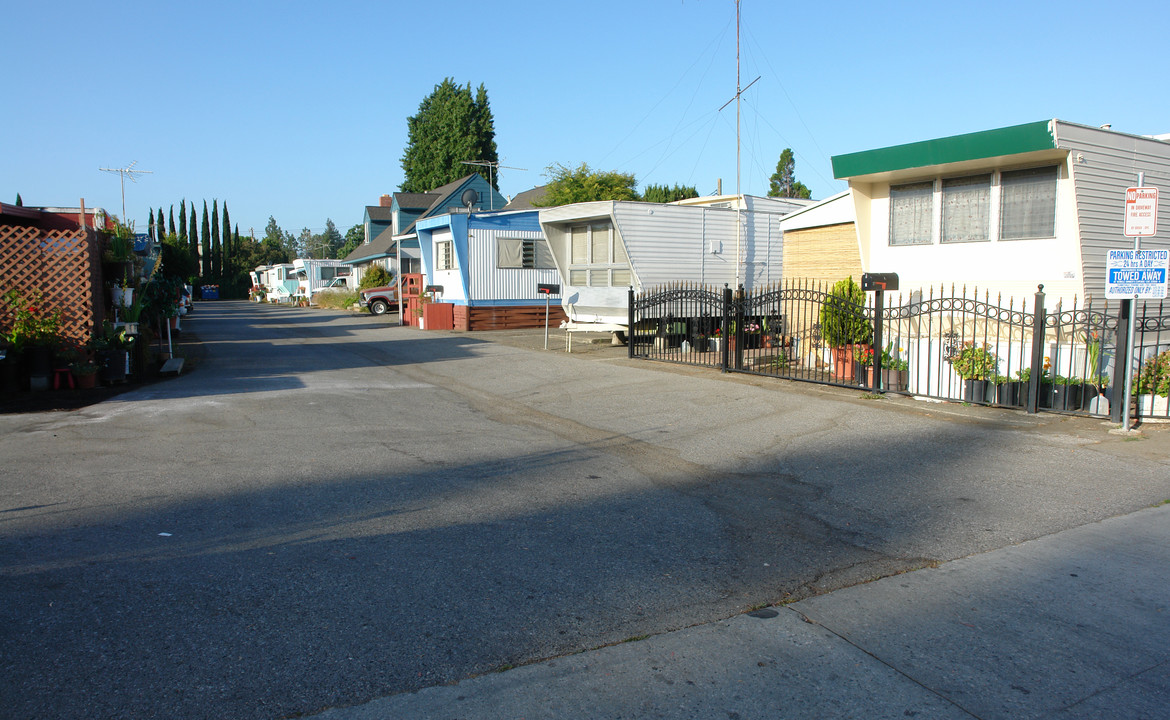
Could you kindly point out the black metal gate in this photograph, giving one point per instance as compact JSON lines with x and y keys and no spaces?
{"x":952,"y":345}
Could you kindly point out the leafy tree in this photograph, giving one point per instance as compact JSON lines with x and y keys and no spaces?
{"x":664,"y":194}
{"x":568,"y":185}
{"x":450,"y":127}
{"x":177,"y":258}
{"x":275,"y":246}
{"x":355,"y":236}
{"x":330,"y":240}
{"x":205,"y":237}
{"x":783,"y":182}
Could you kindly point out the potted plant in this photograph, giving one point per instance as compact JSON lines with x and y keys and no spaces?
{"x":976,"y":365}
{"x":1007,"y":391}
{"x":1025,"y":376}
{"x":85,"y":372}
{"x":844,"y":325}
{"x":1152,"y":386}
{"x":892,"y":368}
{"x":35,"y":335}
{"x":1066,"y":392}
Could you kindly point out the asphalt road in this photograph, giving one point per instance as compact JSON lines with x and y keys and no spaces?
{"x":331,"y":509}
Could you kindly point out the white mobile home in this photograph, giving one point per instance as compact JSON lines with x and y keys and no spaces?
{"x":314,"y":274}
{"x":278,"y":281}
{"x":602,"y":249}
{"x":1004,"y":209}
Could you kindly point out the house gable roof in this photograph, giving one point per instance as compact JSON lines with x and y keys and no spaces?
{"x":381,"y":246}
{"x":378,"y":213}
{"x":441,"y":198}
{"x":525,"y":200}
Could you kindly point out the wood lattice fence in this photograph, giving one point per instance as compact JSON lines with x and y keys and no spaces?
{"x":59,"y":264}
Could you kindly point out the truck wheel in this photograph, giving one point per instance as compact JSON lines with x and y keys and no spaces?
{"x":379,"y":307}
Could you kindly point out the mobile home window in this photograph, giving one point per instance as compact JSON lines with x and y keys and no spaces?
{"x":523,"y":253}
{"x":966,"y":207}
{"x":910,"y":213}
{"x":444,"y":255}
{"x":600,"y":242}
{"x":1028,"y":203}
{"x":580,"y":244}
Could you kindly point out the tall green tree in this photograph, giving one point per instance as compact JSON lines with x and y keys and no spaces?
{"x":205,"y":247}
{"x":330,"y":239}
{"x":150,"y":225}
{"x":277,"y":245}
{"x":193,"y":236}
{"x":667,"y":194}
{"x":783,"y":182}
{"x":450,"y":127}
{"x":171,"y":223}
{"x":583,"y":184}
{"x":355,"y":236}
{"x":19,"y":202}
{"x":160,"y":231}
{"x":216,"y":246}
{"x":226,"y":238}
{"x":183,"y":219}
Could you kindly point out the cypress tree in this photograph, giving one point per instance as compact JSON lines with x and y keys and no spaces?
{"x":19,"y":202}
{"x":228,"y":246}
{"x":216,"y":248}
{"x":150,"y":225}
{"x":205,"y":239}
{"x":193,"y":238}
{"x":172,"y":221}
{"x":183,"y":220}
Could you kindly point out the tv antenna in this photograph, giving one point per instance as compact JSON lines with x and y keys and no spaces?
{"x":126,"y":172}
{"x":490,"y":165}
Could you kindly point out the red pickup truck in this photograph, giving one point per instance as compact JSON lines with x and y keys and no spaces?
{"x":380,"y":299}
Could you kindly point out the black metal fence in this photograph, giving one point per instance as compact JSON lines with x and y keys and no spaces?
{"x":952,"y":345}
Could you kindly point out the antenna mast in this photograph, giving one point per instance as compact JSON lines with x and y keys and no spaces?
{"x":126,"y":172}
{"x":738,"y":193}
{"x":490,"y":165}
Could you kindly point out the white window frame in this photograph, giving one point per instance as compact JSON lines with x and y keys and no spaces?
{"x":996,"y":214}
{"x":445,"y":255}
{"x":597,"y":272}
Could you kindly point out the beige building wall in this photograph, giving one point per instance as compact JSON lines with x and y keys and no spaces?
{"x":827,"y":253}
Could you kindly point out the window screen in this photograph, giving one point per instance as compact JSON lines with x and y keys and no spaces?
{"x":1028,"y":203}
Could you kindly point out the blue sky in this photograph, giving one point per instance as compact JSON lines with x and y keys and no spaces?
{"x":298,"y":110}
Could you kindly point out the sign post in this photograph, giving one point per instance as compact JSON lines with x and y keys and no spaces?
{"x":547,"y":289}
{"x":1134,"y":274}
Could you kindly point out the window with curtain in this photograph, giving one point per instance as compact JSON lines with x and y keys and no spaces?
{"x":966,"y":209}
{"x":579,"y":241}
{"x":599,"y":241}
{"x":1028,"y":203}
{"x":911,"y":207}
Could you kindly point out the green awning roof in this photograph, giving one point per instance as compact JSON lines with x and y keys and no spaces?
{"x":1013,"y":140}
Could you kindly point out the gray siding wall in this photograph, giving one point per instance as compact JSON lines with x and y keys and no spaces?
{"x":489,"y":282}
{"x":1104,"y":164}
{"x":670,"y":243}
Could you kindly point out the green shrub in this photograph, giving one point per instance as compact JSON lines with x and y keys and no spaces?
{"x":377,"y":276}
{"x":335,"y":299}
{"x":973,"y":362}
{"x":1154,"y":378}
{"x":843,"y":320}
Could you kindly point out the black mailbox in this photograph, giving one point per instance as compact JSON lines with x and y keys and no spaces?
{"x":434,"y":289}
{"x":548,"y":289}
{"x":879,"y":281}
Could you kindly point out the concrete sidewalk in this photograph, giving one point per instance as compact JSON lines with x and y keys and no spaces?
{"x":1071,"y":625}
